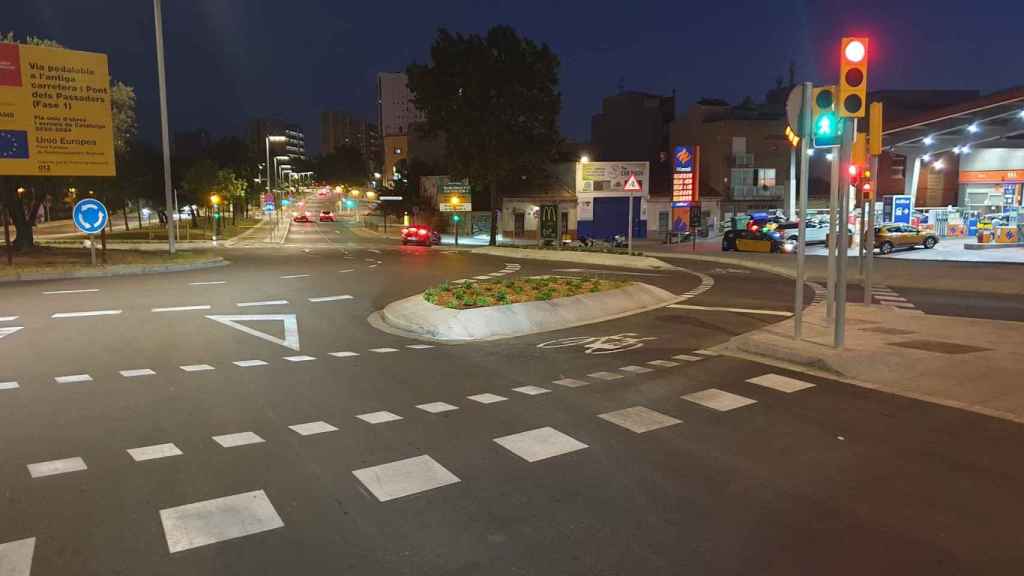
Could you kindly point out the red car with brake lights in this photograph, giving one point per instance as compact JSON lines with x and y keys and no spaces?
{"x":302,"y":218}
{"x":326,"y":216}
{"x":420,"y":235}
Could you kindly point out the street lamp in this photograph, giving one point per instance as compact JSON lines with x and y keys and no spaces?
{"x":270,"y":139}
{"x":370,"y":194}
{"x":584,"y":159}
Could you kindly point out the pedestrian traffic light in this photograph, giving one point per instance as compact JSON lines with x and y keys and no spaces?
{"x":853,"y":77}
{"x":826,"y":128}
{"x":456,"y":218}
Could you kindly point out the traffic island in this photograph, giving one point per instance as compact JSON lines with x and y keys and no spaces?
{"x":50,"y":263}
{"x":475,"y":311}
{"x":965,"y":363}
{"x":577,"y":257}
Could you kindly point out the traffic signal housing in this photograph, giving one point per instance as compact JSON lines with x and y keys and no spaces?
{"x":853,"y":77}
{"x":826,"y":128}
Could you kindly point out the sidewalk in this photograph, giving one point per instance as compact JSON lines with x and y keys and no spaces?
{"x":964,"y":363}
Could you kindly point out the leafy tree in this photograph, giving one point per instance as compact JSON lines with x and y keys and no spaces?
{"x":41,"y":189}
{"x":496,"y":99}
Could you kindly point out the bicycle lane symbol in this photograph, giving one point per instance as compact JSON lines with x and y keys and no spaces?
{"x":600,"y":344}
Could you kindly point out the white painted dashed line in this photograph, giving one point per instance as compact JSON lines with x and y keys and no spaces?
{"x":487,"y":398}
{"x":437,"y":407}
{"x":419,"y":346}
{"x":8,"y":385}
{"x":154,"y":452}
{"x":182,"y":308}
{"x":571,"y":383}
{"x":331,"y":298}
{"x":54,"y":467}
{"x":605,"y":375}
{"x":383,"y":350}
{"x":208,"y":283}
{"x":348,"y":270}
{"x":299,"y":358}
{"x":249,"y":363}
{"x":687,"y":357}
{"x":197,"y":367}
{"x":379,"y":417}
{"x":263,"y":303}
{"x":781,"y":383}
{"x":84,"y":314}
{"x":137,"y":373}
{"x":636,"y":369}
{"x":211,"y":521}
{"x":53,"y":292}
{"x":73,"y":379}
{"x":345,"y":354}
{"x":16,"y":557}
{"x":531,"y":390}
{"x":310,"y":428}
{"x":663,"y":363}
{"x":706,"y":352}
{"x":238,"y":439}
{"x":292,"y":276}
{"x":8,"y":318}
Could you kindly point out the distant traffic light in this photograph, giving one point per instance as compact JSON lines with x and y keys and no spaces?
{"x":853,"y":77}
{"x":826,"y":128}
{"x":456,"y":218}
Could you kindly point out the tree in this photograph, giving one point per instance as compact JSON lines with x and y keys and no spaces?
{"x":200,"y":181}
{"x":496,"y":100}
{"x":40,"y":189}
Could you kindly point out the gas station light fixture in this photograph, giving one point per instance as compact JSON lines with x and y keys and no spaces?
{"x":928,"y":140}
{"x":973,"y":127}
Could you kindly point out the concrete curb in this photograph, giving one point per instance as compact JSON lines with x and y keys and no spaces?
{"x":421,"y":319}
{"x":591,"y":258}
{"x":117,"y":270}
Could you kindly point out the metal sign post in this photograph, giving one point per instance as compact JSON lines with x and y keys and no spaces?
{"x":801,"y":247}
{"x":632,"y":185}
{"x":90,"y":216}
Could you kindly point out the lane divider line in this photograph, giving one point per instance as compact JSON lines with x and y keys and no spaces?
{"x":264,"y":303}
{"x":331,"y":298}
{"x":182,"y":308}
{"x":83,"y":314}
{"x":52,"y":292}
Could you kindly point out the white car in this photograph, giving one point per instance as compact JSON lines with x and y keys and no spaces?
{"x":816,"y":231}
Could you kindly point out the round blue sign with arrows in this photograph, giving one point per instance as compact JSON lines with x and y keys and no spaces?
{"x":90,"y":216}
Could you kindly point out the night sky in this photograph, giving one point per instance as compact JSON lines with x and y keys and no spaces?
{"x":229,"y":60}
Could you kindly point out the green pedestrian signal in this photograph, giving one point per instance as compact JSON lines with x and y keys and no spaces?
{"x":456,"y":218}
{"x":828,"y":130}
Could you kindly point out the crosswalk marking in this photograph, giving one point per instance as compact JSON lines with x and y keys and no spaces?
{"x":487,"y":398}
{"x":237,"y":439}
{"x":210,"y":521}
{"x":8,"y":385}
{"x":719,"y":399}
{"x":73,"y":379}
{"x":636,"y":369}
{"x":343,"y":354}
{"x":302,"y":358}
{"x":383,"y":350}
{"x":706,"y":352}
{"x":531,"y":390}
{"x":419,"y":346}
{"x":605,"y":375}
{"x":249,"y":363}
{"x":540,"y":444}
{"x":404,"y":477}
{"x":687,"y":357}
{"x":153,"y":452}
{"x":571,"y":383}
{"x":663,"y":363}
{"x":639,"y":419}
{"x":137,"y":373}
{"x":54,"y":467}
{"x":781,"y":383}
{"x":437,"y":407}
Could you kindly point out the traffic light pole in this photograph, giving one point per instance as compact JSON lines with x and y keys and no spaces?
{"x":846,"y":153}
{"x":801,"y":214}
{"x":833,"y":217}
{"x":869,"y":239}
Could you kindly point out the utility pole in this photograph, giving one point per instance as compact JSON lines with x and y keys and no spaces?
{"x":168,"y":198}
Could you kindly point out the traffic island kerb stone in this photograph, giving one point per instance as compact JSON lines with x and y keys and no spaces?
{"x":577,"y":257}
{"x":415,"y":317}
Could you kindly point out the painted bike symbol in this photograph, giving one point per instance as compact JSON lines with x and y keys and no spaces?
{"x":600,"y":345}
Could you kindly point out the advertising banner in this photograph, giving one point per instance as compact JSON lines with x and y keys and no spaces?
{"x":549,"y":221}
{"x":610,"y":178}
{"x":901,"y":209}
{"x":455,"y":197}
{"x":55,"y":112}
{"x":686,"y":175}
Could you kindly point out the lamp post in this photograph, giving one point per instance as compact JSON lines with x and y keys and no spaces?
{"x":164,"y":131}
{"x":277,"y":211}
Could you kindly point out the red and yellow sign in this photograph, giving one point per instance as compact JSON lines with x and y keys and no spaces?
{"x":55,"y":112}
{"x":686,"y":177}
{"x":991,"y":176}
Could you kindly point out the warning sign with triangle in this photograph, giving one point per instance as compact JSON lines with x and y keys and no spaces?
{"x":291,"y":327}
{"x":632,"y":185}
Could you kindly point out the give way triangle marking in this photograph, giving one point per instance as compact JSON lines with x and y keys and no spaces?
{"x":291,"y":327}
{"x":16,"y":557}
{"x":9,"y":330}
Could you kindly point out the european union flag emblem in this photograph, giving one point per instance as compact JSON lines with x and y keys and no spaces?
{"x":13,"y":144}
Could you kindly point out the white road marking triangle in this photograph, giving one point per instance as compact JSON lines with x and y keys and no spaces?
{"x":16,"y":557}
{"x":291,"y":327}
{"x":9,"y":330}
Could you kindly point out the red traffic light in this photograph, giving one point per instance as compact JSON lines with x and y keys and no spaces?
{"x":853,"y":169}
{"x":855,"y":51}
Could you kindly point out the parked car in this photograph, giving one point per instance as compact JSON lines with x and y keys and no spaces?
{"x":326,"y":216}
{"x":750,"y":241}
{"x":422,"y":235}
{"x":888,"y":237}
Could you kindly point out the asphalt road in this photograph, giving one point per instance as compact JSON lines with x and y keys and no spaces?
{"x":485,"y":458}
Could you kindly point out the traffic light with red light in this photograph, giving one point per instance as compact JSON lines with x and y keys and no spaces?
{"x":853,"y":77}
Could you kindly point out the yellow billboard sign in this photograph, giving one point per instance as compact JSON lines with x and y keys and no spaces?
{"x":55,"y":112}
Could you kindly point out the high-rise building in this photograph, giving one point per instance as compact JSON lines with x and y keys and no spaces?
{"x":338,"y":129}
{"x":395,"y":109}
{"x":260,"y":128}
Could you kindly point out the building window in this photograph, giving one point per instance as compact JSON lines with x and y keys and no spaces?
{"x":765,"y":178}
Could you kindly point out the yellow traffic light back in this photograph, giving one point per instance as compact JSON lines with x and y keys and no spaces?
{"x":853,"y":77}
